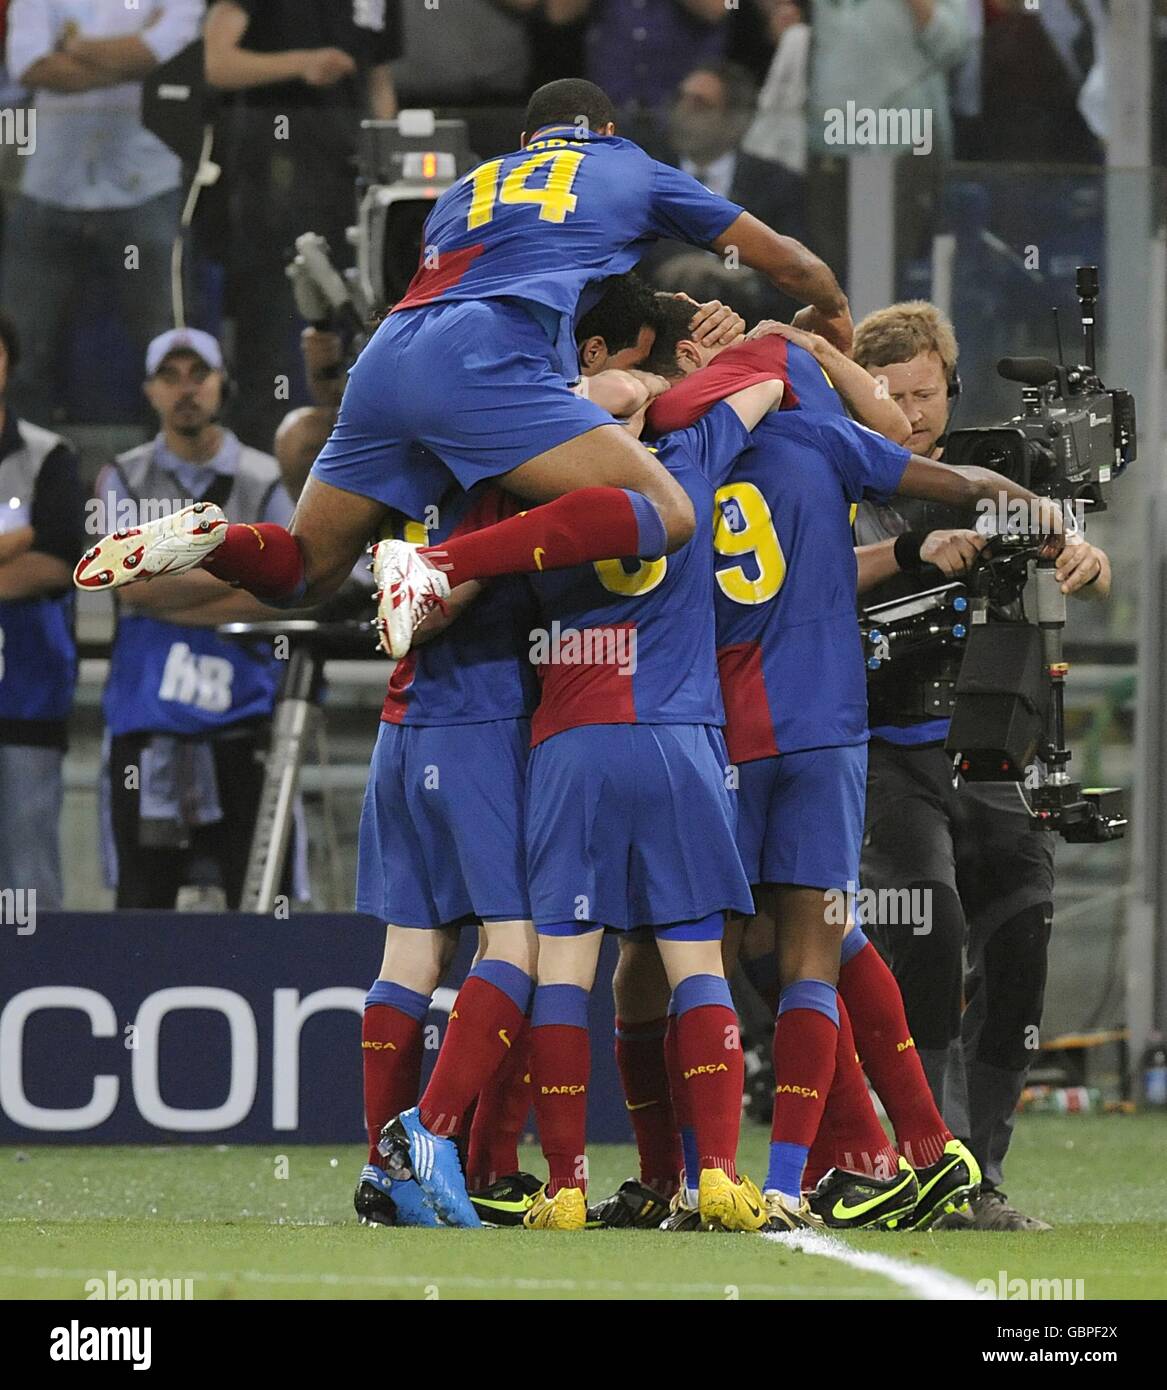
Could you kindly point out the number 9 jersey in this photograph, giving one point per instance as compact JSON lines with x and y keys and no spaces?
{"x":788,"y":646}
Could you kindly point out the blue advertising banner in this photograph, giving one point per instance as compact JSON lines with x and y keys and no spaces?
{"x":149,"y":1027}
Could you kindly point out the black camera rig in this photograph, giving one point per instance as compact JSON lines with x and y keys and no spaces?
{"x":1001,"y":676}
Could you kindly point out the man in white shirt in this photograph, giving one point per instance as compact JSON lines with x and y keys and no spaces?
{"x":100,"y":195}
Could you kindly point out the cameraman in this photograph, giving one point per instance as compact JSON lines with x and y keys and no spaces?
{"x":972,"y":846}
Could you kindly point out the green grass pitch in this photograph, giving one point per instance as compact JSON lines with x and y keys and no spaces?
{"x":226,"y":1219}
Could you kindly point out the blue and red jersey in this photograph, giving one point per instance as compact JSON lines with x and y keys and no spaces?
{"x":477,"y":670}
{"x":788,"y":646}
{"x":545,"y":222}
{"x":633,"y":641}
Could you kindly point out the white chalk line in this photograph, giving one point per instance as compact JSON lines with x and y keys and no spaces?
{"x":924,"y":1281}
{"x":455,"y":1281}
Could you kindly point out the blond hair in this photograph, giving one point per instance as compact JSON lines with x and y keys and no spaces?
{"x":903,"y":331}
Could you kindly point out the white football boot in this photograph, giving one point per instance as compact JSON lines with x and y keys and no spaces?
{"x":169,"y":545}
{"x":408,"y":588}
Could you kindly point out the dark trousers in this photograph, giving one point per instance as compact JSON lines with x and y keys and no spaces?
{"x":217,"y":854}
{"x":989,"y":875}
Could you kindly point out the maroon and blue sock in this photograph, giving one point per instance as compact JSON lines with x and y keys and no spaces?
{"x":690,"y":1156}
{"x":560,"y":1067}
{"x":640,"y":1058}
{"x":503,"y":1106}
{"x":888,"y":1051}
{"x":486,"y":1021}
{"x":391,"y":1054}
{"x":709,"y":1052}
{"x":806,"y":1039}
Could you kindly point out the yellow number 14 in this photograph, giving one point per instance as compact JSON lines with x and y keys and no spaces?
{"x":554,"y":199}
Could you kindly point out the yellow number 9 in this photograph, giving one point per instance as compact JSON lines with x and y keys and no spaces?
{"x":756,"y":536}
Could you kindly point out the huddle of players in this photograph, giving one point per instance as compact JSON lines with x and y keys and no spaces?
{"x":737,"y":610}
{"x":636,"y":815}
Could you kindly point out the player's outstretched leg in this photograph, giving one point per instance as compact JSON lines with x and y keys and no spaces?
{"x":560,"y":1070}
{"x":170,"y":544}
{"x":948,"y":1173}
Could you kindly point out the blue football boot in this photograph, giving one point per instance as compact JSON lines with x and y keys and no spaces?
{"x":408,"y":1147}
{"x":383,"y":1201}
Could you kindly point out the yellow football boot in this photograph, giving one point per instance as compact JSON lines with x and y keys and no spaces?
{"x":566,"y":1211}
{"x":726,"y":1205}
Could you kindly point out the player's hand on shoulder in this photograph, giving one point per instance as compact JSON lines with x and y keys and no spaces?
{"x":952,"y":552}
{"x":813,"y":343}
{"x":715,"y":324}
{"x":836,"y":327}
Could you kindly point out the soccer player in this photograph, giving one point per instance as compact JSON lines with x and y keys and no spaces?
{"x":630,"y":825}
{"x":441,"y":846}
{"x":792,"y":676}
{"x":475,"y":363}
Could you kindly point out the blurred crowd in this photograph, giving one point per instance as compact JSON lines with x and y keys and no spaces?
{"x":743,"y":94}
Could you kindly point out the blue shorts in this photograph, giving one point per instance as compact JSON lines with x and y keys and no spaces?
{"x":800,"y":817}
{"x":441,"y":835}
{"x":632,"y":825}
{"x":478,"y":384}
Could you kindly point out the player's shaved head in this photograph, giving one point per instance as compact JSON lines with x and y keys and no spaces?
{"x":569,"y":101}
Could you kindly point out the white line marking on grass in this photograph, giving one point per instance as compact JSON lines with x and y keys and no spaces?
{"x":922,"y":1280}
{"x":457,"y":1281}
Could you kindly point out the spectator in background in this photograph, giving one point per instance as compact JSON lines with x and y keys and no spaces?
{"x":186,"y":710}
{"x":715,"y":107}
{"x":306,"y":73}
{"x":42,"y":534}
{"x":711,"y":113}
{"x":99,"y":194}
{"x":474,"y":56}
{"x":882,"y":55}
{"x":639,"y":52}
{"x":772,"y":164}
{"x":1034,"y":67}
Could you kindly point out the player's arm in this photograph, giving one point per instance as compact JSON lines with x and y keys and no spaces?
{"x":965,"y":487}
{"x":754,"y":402}
{"x":861,"y":392}
{"x":795,"y":270}
{"x":624,"y":393}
